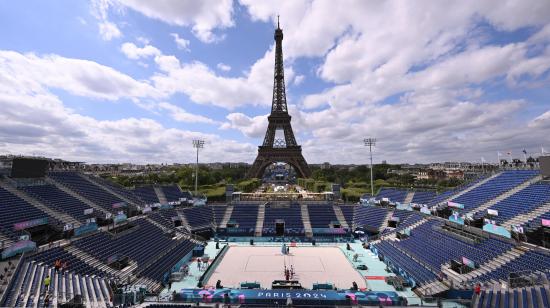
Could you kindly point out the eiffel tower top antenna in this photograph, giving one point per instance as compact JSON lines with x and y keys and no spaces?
{"x":278,"y":104}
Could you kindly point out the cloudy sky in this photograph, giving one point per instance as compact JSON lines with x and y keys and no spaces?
{"x":137,"y":80}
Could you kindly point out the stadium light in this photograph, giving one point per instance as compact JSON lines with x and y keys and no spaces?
{"x":197,"y":144}
{"x":370,"y":142}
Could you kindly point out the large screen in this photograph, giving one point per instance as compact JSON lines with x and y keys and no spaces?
{"x":544,"y":162}
{"x":29,"y":168}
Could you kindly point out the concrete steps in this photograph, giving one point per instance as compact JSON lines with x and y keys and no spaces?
{"x":340,"y":216}
{"x":77,"y":196}
{"x":66,"y":218}
{"x":462,"y":192}
{"x":385,"y":222}
{"x":306,"y":221}
{"x":150,"y":284}
{"x":260,"y":221}
{"x":432,"y":288}
{"x":17,"y":287}
{"x":184,"y":221}
{"x":158,"y":225}
{"x":489,"y":266}
{"x":525,"y":217}
{"x":411,"y":227}
{"x":226,"y":216}
{"x":90,"y":260}
{"x":6,"y":240}
{"x":160,"y":194}
{"x":505,"y":195}
{"x":409,"y":197}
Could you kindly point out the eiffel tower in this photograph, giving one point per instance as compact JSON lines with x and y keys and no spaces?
{"x":277,"y":148}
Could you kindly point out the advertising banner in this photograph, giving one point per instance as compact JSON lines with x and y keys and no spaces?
{"x":425,"y":210}
{"x":329,"y":231}
{"x":30,"y":223}
{"x":455,"y":217}
{"x":166,"y":206}
{"x":468,"y":262}
{"x":91,"y":227}
{"x":298,"y":297}
{"x":455,"y":205}
{"x":119,"y":205}
{"x":18,"y":247}
{"x":119,"y":218}
{"x":517,"y":228}
{"x":492,"y":228}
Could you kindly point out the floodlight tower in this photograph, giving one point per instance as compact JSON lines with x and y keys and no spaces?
{"x":370,"y":142}
{"x":197,"y":144}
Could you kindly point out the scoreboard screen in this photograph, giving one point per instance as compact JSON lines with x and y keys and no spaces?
{"x":29,"y":168}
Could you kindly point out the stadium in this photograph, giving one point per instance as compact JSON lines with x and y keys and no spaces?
{"x":70,"y":238}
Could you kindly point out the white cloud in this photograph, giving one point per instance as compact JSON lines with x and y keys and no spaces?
{"x":203,"y":16}
{"x":133,"y":52}
{"x":253,"y":127}
{"x":182,"y":43}
{"x":109,"y":30}
{"x":203,"y":86}
{"x":143,"y":40}
{"x":299,"y":79}
{"x":179,"y":114}
{"x":31,"y":73}
{"x":542,"y":121}
{"x":223,"y":67}
{"x":34,"y":121}
{"x":42,"y":125}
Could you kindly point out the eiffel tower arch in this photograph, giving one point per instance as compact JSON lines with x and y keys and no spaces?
{"x":279,"y":142}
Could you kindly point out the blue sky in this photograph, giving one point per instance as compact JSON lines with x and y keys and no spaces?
{"x":136,"y":81}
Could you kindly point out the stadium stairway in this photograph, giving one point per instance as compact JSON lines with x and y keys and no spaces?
{"x":260,"y":220}
{"x":432,"y":288}
{"x":525,"y":217}
{"x":340,"y":216}
{"x":107,"y":189}
{"x":226,"y":216}
{"x":411,"y":227}
{"x":66,"y":218}
{"x":91,"y":260}
{"x":409,"y":197}
{"x":150,"y":284}
{"x":489,"y":266}
{"x":156,"y":224}
{"x":6,"y":240}
{"x":29,"y":290}
{"x":184,"y":221}
{"x":462,"y":192}
{"x":75,"y":195}
{"x":160,"y":194}
{"x":306,"y":221}
{"x":505,"y":195}
{"x":385,"y":222}
{"x":533,"y":296}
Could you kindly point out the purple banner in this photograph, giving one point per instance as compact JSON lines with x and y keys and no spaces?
{"x":30,"y":223}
